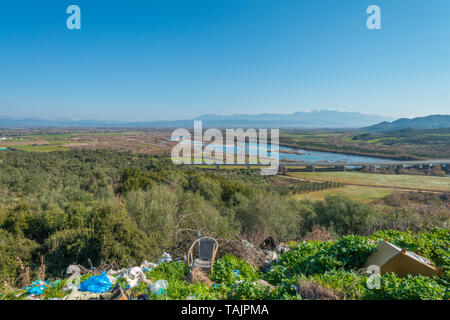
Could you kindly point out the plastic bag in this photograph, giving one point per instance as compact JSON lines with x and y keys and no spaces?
{"x":134,"y":276}
{"x":165,"y":258}
{"x":97,"y":284}
{"x":159,"y":287}
{"x":37,"y":287}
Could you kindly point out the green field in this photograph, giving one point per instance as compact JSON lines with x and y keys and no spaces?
{"x":363,"y":194}
{"x":41,"y":148}
{"x":379,"y":180}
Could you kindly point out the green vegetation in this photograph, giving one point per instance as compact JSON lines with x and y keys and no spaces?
{"x":332,"y":265}
{"x":124,"y":208}
{"x":335,"y":264}
{"x":40,"y":148}
{"x":395,"y":144}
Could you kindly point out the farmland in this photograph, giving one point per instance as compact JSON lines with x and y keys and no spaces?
{"x":47,"y":140}
{"x":379,"y":180}
{"x":363,"y":194}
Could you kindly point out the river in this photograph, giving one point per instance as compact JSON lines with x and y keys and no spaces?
{"x":286,"y":153}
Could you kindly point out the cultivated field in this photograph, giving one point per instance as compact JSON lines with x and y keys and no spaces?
{"x":379,"y":180}
{"x":152,"y":142}
{"x":363,"y":194}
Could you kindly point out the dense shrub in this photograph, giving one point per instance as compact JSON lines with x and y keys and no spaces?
{"x":11,"y":248}
{"x":314,"y":257}
{"x":344,"y":215}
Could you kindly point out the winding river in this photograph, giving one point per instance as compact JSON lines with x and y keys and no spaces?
{"x":294,"y":154}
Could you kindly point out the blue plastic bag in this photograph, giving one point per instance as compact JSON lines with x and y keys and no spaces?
{"x":37,"y":287}
{"x":97,"y":284}
{"x":38,"y":290}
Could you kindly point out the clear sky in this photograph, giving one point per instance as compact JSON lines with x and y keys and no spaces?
{"x":177,"y":59}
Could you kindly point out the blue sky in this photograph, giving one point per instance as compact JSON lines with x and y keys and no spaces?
{"x":177,"y":59}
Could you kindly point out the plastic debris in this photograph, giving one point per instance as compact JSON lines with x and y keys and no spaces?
{"x":282,"y":248}
{"x":159,"y":287}
{"x":97,"y":284}
{"x":38,"y":290}
{"x":77,"y":295}
{"x":116,"y":272}
{"x":165,"y":258}
{"x":112,"y":279}
{"x":134,"y":276}
{"x":143,"y":297}
{"x":118,"y":294}
{"x":38,"y":287}
{"x":73,"y":269}
{"x":147,"y":265}
{"x":236,"y":273}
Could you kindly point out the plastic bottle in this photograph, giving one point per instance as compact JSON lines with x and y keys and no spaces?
{"x":159,"y":287}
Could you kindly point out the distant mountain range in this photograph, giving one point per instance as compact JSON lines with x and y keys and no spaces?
{"x":304,"y":119}
{"x":429,"y":122}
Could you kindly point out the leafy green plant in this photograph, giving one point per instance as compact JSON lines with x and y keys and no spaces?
{"x":169,"y":271}
{"x":409,"y":288}
{"x":230,"y":269}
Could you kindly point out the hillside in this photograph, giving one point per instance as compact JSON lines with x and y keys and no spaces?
{"x":429,"y":122}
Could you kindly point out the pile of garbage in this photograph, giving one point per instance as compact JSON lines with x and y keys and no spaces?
{"x":103,"y":286}
{"x":236,"y":276}
{"x":108,"y":283}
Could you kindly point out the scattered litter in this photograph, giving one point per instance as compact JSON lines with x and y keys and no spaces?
{"x":112,"y":279}
{"x":282,"y":248}
{"x":73,"y":269}
{"x":134,"y":276}
{"x":165,"y":258}
{"x":118,"y":294}
{"x":116,"y":272}
{"x":271,"y":256}
{"x":96,"y":284}
{"x":143,"y":297}
{"x":147,"y":265}
{"x":78,"y":295}
{"x":159,"y":287}
{"x":236,"y":273}
{"x":38,"y":287}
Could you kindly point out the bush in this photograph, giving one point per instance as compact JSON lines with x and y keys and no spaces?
{"x":70,"y":246}
{"x":352,"y":251}
{"x":12,"y":248}
{"x":344,"y":215}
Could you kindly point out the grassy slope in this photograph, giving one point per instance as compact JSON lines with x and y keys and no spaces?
{"x":382,"y":180}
